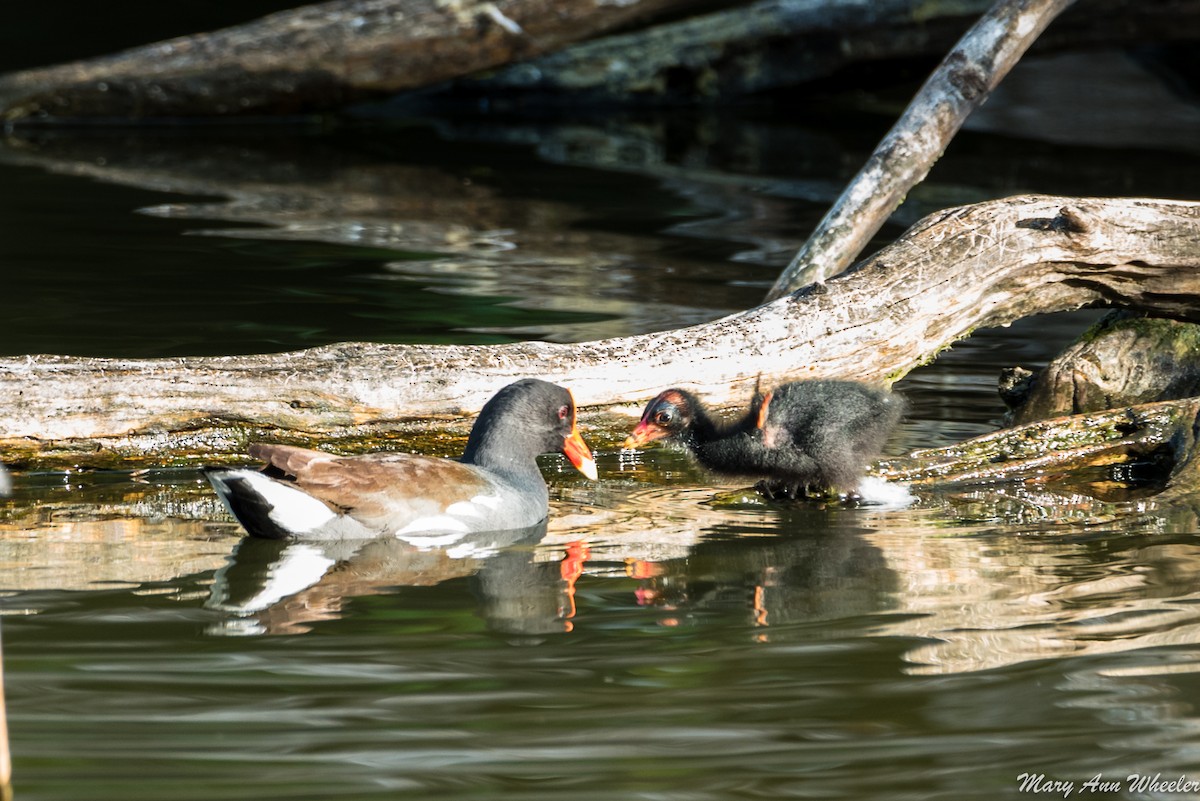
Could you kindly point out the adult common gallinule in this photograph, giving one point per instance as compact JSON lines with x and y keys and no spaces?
{"x":807,"y":436}
{"x":495,"y":485}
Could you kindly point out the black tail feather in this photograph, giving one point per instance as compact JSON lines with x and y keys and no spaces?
{"x":251,"y":509}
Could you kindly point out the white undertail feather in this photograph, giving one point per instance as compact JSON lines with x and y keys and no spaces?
{"x":876,"y":491}
{"x":292,"y":509}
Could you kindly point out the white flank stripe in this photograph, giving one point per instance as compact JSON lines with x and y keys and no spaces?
{"x":476,"y":507}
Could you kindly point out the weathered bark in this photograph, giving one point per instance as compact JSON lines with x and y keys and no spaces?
{"x":321,"y":57}
{"x":782,"y":44}
{"x":1123,"y":360}
{"x":730,"y":53}
{"x":982,"y":265}
{"x":317,"y":57}
{"x":907,"y":153}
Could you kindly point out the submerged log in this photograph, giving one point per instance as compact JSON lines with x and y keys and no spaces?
{"x":1052,"y":448}
{"x":982,"y":265}
{"x":315,"y":58}
{"x":1155,"y":445}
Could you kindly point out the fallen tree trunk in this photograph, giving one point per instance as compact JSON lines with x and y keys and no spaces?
{"x":315,"y":58}
{"x":323,"y":56}
{"x":770,"y":45}
{"x":982,"y":265}
{"x":733,"y":52}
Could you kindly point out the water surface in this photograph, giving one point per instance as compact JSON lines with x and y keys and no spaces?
{"x":655,"y":640}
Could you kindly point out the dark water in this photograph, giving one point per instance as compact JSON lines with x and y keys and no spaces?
{"x":655,"y":640}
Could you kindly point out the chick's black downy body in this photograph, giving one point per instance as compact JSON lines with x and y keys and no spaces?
{"x":822,"y":434}
{"x":807,"y":436}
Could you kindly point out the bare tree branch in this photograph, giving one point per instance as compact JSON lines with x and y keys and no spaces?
{"x":907,"y":153}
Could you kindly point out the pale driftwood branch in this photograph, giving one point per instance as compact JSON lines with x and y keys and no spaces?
{"x":982,"y":265}
{"x":317,"y":57}
{"x":904,"y":157}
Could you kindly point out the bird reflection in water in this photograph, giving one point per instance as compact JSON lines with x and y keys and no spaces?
{"x":285,"y":586}
{"x":526,"y":582}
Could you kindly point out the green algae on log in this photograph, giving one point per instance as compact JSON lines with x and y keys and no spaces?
{"x":1057,"y":446}
{"x":1126,"y":358}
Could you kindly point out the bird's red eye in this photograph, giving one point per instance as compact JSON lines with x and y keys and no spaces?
{"x":563,"y":411}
